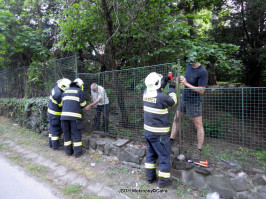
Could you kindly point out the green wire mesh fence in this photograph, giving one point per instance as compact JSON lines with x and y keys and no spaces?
{"x":36,"y":80}
{"x":230,"y":115}
{"x":124,"y":89}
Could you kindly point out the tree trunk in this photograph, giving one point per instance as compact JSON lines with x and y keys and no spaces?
{"x":212,"y":73}
{"x":110,"y":64}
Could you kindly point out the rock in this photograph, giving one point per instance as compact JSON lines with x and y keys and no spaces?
{"x":45,"y":133}
{"x":231,"y":175}
{"x":242,"y":195}
{"x":240,"y":182}
{"x":93,"y":143}
{"x":101,"y":145}
{"x":100,"y":133}
{"x":194,"y":179}
{"x":256,"y":195}
{"x":114,"y":150}
{"x":258,"y":192}
{"x":181,"y":157}
{"x":214,"y":195}
{"x":221,"y":184}
{"x":176,"y":173}
{"x":175,"y":151}
{"x":262,"y":189}
{"x":86,"y":142}
{"x":107,"y":148}
{"x":130,"y":164}
{"x":259,"y":180}
{"x":203,"y":171}
{"x":121,"y":142}
{"x":257,"y":171}
{"x":182,"y":165}
{"x":138,"y":152}
{"x":126,"y":155}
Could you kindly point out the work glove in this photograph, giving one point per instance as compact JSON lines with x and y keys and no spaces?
{"x":166,"y":78}
{"x":172,"y":87}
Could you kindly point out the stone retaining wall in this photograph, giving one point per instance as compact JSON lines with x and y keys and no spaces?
{"x":228,"y":182}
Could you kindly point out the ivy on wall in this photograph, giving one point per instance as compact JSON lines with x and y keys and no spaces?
{"x":30,"y":113}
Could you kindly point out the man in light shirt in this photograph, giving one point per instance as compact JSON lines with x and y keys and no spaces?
{"x":101,"y":105}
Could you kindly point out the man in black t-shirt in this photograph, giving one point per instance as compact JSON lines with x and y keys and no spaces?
{"x":195,"y":82}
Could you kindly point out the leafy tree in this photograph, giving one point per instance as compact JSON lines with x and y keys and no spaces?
{"x":243,"y":24}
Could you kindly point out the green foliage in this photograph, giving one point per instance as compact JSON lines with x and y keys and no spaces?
{"x":140,"y":87}
{"x":76,"y":189}
{"x":241,"y":24}
{"x":143,"y":33}
{"x":214,"y":128}
{"x":28,"y":112}
{"x":261,"y":154}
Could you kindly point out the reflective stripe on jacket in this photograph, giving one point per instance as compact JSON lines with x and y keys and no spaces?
{"x":156,"y":117}
{"x":73,"y":101}
{"x":55,"y":102}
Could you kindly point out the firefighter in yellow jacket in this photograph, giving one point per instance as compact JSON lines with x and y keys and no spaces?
{"x":54,"y":112}
{"x":157,"y":128}
{"x":73,"y":102}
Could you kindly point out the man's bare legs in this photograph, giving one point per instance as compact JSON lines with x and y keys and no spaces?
{"x":197,"y":123}
{"x":200,"y":130}
{"x":175,"y":126}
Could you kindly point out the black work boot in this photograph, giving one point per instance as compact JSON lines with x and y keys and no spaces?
{"x":163,"y":184}
{"x":151,"y":180}
{"x":59,"y":148}
{"x":77,"y":155}
{"x":151,"y":175}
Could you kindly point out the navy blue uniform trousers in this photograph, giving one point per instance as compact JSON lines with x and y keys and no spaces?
{"x":72,"y":136}
{"x":55,"y":130}
{"x":158,"y":146}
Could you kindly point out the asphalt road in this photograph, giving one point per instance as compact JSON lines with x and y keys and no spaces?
{"x":16,"y":183}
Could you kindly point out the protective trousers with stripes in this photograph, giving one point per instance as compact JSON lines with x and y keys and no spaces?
{"x":158,"y":147}
{"x":55,"y":130}
{"x":72,"y":136}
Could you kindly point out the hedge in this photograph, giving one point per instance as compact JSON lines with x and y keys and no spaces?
{"x":30,"y":113}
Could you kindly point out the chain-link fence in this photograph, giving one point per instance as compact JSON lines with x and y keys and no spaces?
{"x":38,"y":79}
{"x":230,"y":115}
{"x":124,"y":89}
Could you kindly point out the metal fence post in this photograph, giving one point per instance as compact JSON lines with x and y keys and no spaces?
{"x":76,"y":66}
{"x":179,"y":118}
{"x":243,"y":117}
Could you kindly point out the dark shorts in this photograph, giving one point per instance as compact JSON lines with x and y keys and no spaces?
{"x":191,"y":109}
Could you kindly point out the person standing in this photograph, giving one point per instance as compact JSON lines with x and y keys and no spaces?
{"x":156,"y":127}
{"x":195,"y":82}
{"x":54,"y":112}
{"x":101,"y":104}
{"x":73,"y":101}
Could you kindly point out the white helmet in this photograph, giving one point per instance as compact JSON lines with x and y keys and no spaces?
{"x":79,"y":82}
{"x":63,"y":83}
{"x":153,"y":81}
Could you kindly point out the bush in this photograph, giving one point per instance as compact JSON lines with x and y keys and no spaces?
{"x":30,"y":113}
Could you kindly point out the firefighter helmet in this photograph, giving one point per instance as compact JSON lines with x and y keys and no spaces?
{"x":79,"y":82}
{"x":63,"y":83}
{"x":153,"y":81}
